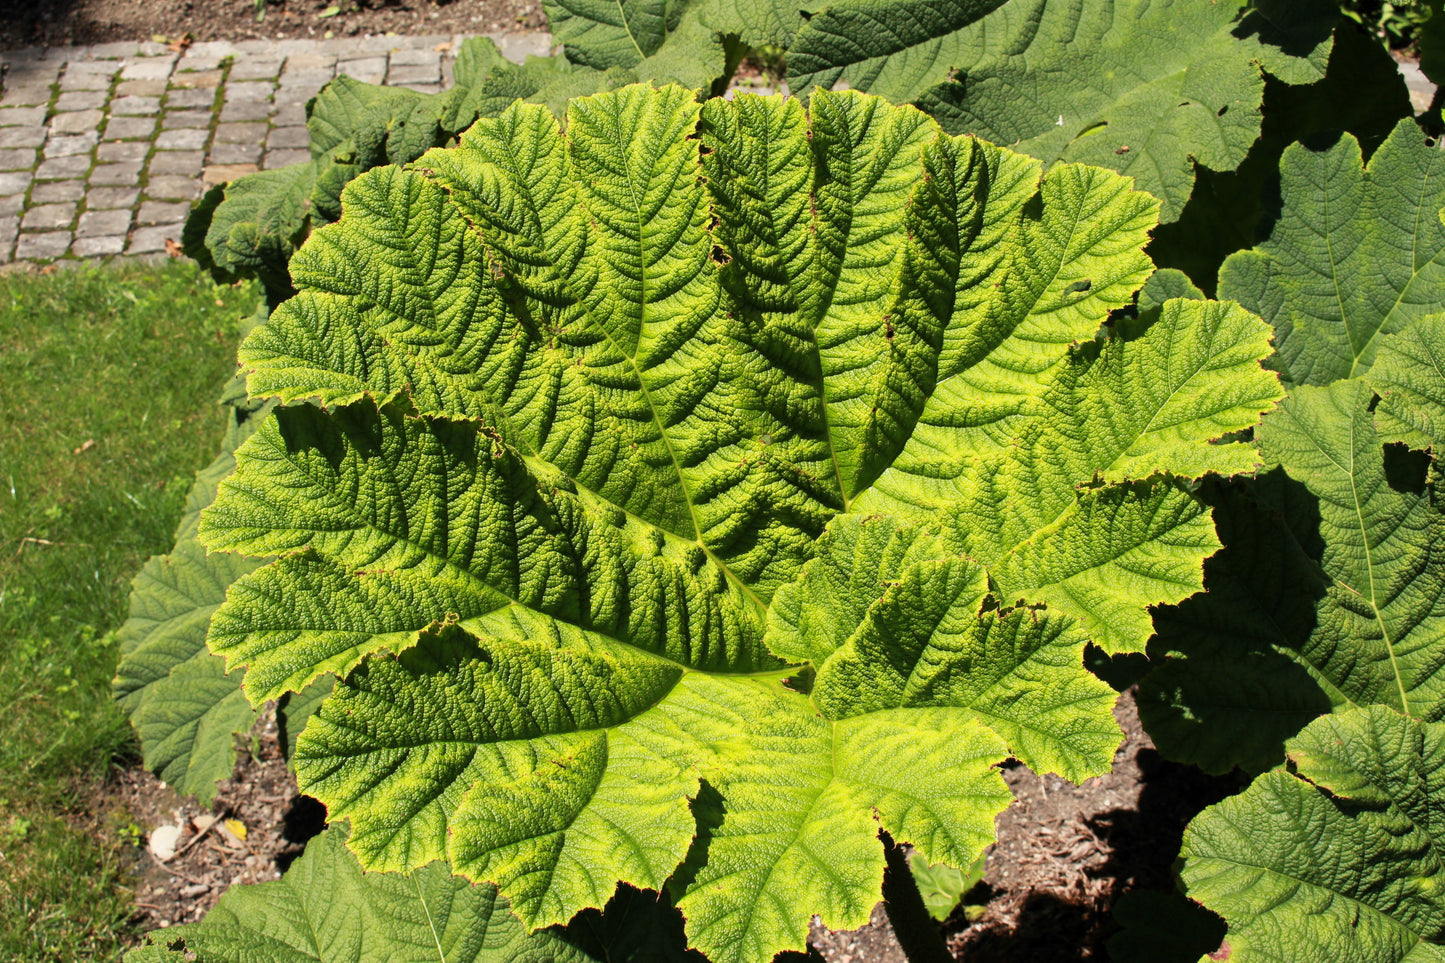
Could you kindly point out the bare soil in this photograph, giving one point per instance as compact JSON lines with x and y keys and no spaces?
{"x":54,"y":23}
{"x":1064,"y":855}
{"x":261,"y":795}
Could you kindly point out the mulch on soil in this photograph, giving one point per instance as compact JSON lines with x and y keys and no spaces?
{"x":261,"y":794}
{"x":1064,"y":856}
{"x":54,"y":23}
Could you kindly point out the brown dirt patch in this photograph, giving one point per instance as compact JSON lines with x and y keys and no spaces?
{"x":1064,"y":855}
{"x":261,"y":794}
{"x":54,"y":23}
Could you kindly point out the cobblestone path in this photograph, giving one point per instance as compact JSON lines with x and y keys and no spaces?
{"x":103,"y":149}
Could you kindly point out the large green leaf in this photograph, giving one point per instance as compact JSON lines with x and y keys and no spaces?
{"x":1327,"y":595}
{"x":184,"y":707}
{"x":326,"y":910}
{"x":1357,"y":253}
{"x":604,"y":419}
{"x":1143,"y":87}
{"x":1336,"y":606}
{"x":1339,"y":856}
{"x":1362,"y":93}
{"x":662,"y":40}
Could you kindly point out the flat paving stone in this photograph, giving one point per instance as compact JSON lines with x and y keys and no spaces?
{"x":235,"y":154}
{"x":61,"y":168}
{"x":186,"y":118}
{"x":225,"y":173}
{"x":193,"y":62}
{"x":22,"y":116}
{"x":149,"y":68}
{"x":48,"y":217}
{"x":105,"y":198}
{"x":98,"y":246}
{"x":57,"y":192}
{"x":190,"y":97}
{"x":149,"y":240}
{"x":162,"y":212}
{"x":239,"y":110}
{"x":288,"y":137}
{"x":65,"y":146}
{"x":126,"y":150}
{"x":401,"y":76}
{"x":182,"y":139}
{"x":27,"y":96}
{"x":249,"y":91}
{"x":140,"y":88}
{"x":86,"y":100}
{"x":289,"y":115}
{"x":429,"y":58}
{"x":201,"y":78}
{"x":315,"y":61}
{"x":17,"y":159}
{"x":116,"y":175}
{"x":14,"y":183}
{"x":172,"y":187}
{"x":9,"y":226}
{"x":187,"y":162}
{"x":13,"y":204}
{"x":240,"y":133}
{"x":219,"y":49}
{"x":42,"y":247}
{"x":285,"y":158}
{"x":84,"y":81}
{"x":255,"y":68}
{"x":22,"y":136}
{"x":102,"y":223}
{"x":77,"y":122}
{"x":306,"y":78}
{"x":295,"y":95}
{"x":149,"y":106}
{"x":130,"y":128}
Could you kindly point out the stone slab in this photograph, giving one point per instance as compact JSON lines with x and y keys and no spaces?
{"x":42,"y":247}
{"x":109,"y":198}
{"x":48,"y":217}
{"x":98,"y":246}
{"x":57,"y":192}
{"x":172,"y":186}
{"x":235,"y":154}
{"x":103,"y":223}
{"x":116,"y":175}
{"x":130,"y":128}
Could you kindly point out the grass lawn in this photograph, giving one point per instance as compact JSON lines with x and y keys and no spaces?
{"x":108,"y":381}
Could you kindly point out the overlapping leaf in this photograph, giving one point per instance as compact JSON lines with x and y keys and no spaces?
{"x":1144,"y":88}
{"x":666,"y":41}
{"x":589,"y":406}
{"x":1337,"y":857}
{"x":1328,"y":594}
{"x":1358,"y":253}
{"x":326,"y":910}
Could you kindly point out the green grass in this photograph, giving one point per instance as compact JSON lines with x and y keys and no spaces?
{"x":108,"y":380}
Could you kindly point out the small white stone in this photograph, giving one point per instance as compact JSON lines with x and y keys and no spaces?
{"x":163,"y":841}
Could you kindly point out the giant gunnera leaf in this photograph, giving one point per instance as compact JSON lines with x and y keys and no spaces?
{"x":1148,"y":88}
{"x":686,"y":500}
{"x":1338,"y":855}
{"x":185,"y":708}
{"x":1329,"y":592}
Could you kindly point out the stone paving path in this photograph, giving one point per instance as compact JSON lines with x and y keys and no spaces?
{"x":103,"y":149}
